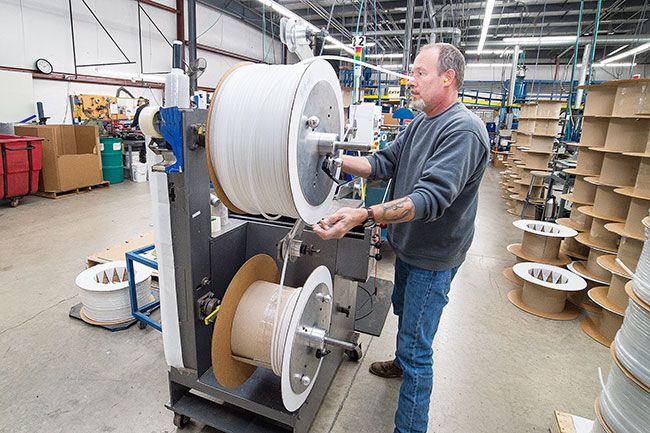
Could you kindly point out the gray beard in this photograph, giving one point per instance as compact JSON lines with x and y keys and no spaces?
{"x":418,"y":105}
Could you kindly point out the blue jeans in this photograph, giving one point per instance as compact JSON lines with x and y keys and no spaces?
{"x":418,"y":299}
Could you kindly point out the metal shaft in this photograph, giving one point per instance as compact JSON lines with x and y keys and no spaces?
{"x":329,"y":341}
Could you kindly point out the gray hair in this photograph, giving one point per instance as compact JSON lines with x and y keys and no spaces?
{"x":449,"y":57}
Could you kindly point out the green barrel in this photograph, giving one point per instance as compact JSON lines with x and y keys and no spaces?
{"x":112,"y":165}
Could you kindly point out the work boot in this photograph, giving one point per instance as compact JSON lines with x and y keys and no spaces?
{"x":386,"y":369}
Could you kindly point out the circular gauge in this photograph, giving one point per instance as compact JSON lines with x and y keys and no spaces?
{"x":44,"y":66}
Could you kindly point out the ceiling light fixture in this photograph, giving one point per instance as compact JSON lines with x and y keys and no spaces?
{"x":489,"y":6}
{"x":627,"y":53}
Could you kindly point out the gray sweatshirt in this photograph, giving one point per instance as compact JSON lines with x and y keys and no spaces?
{"x":438,"y":162}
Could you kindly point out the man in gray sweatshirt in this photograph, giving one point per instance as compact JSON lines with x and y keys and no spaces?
{"x":436,"y":165}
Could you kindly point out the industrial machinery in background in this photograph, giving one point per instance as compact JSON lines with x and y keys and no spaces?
{"x":251,"y":348}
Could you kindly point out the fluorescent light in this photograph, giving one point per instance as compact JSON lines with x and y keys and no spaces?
{"x":614,"y":65}
{"x":385,"y":56}
{"x":287,"y":13}
{"x":544,"y":40}
{"x":486,"y":24}
{"x":627,"y":53}
{"x":476,"y":52}
{"x":487,"y":65}
{"x":395,"y":66}
{"x":617,"y":50}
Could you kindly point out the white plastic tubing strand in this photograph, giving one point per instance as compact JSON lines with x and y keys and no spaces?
{"x":633,"y":342}
{"x":254,"y":106}
{"x":642,"y":275}
{"x":625,"y":406}
{"x":281,"y":329}
{"x":359,"y":62}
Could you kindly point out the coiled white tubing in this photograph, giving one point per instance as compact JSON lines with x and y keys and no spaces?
{"x":633,"y":342}
{"x":642,"y":274}
{"x":625,"y":406}
{"x":111,"y":302}
{"x":253,"y":137}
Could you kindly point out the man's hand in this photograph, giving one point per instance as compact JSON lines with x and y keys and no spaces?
{"x":337,"y":225}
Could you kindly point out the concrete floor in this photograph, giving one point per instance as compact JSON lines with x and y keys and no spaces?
{"x":497,"y":369}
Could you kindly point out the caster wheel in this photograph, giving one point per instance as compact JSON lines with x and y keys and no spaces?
{"x":141,"y":324}
{"x":181,"y":421}
{"x":354,"y":355}
{"x":14,"y":202}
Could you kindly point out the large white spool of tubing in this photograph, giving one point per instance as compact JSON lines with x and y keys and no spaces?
{"x":262,"y":155}
{"x":545,"y":289}
{"x":243,"y":337}
{"x":104,"y":291}
{"x":631,"y":348}
{"x":623,"y":404}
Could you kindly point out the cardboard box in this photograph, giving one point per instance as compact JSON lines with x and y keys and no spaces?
{"x":390,"y":120}
{"x":71,"y":157}
{"x":567,"y":423}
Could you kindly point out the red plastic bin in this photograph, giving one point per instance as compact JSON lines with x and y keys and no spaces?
{"x":20,"y":165}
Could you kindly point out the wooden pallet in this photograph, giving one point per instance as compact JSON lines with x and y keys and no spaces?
{"x":59,"y":194}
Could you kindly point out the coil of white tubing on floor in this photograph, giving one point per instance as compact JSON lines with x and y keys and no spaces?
{"x":632,"y":342}
{"x":253,"y":132}
{"x":624,"y":405}
{"x":642,"y":274}
{"x":104,"y":290}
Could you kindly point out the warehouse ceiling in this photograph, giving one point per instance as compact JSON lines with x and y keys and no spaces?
{"x":622,"y":22}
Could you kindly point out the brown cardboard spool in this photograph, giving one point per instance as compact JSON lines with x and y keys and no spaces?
{"x":229,"y":371}
{"x":218,"y":189}
{"x":599,"y":296}
{"x":548,"y":109}
{"x":574,"y":199}
{"x":544,"y":291}
{"x":602,"y":327}
{"x":633,"y":227}
{"x":600,"y":419}
{"x":541,"y":143}
{"x":541,"y":241}
{"x":584,"y":192}
{"x":616,"y":292}
{"x":626,"y":135}
{"x":600,"y":101}
{"x":590,"y":269}
{"x":629,"y":289}
{"x":630,"y":99}
{"x":629,"y":251}
{"x":590,"y":162}
{"x":641,"y":188}
{"x":518,"y":206}
{"x":582,"y":301}
{"x":594,"y":132}
{"x":608,"y":261}
{"x":510,"y":276}
{"x":619,"y":170}
{"x":517,"y":250}
{"x":570,"y":311}
{"x":608,"y":205}
{"x":599,"y":237}
{"x":574,"y":249}
{"x":536,"y":160}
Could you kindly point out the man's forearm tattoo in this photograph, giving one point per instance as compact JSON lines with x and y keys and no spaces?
{"x":398,"y":210}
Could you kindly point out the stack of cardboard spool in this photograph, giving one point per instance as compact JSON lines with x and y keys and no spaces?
{"x":545,"y":285}
{"x":610,"y":198}
{"x":530,"y":154}
{"x":624,"y":401}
